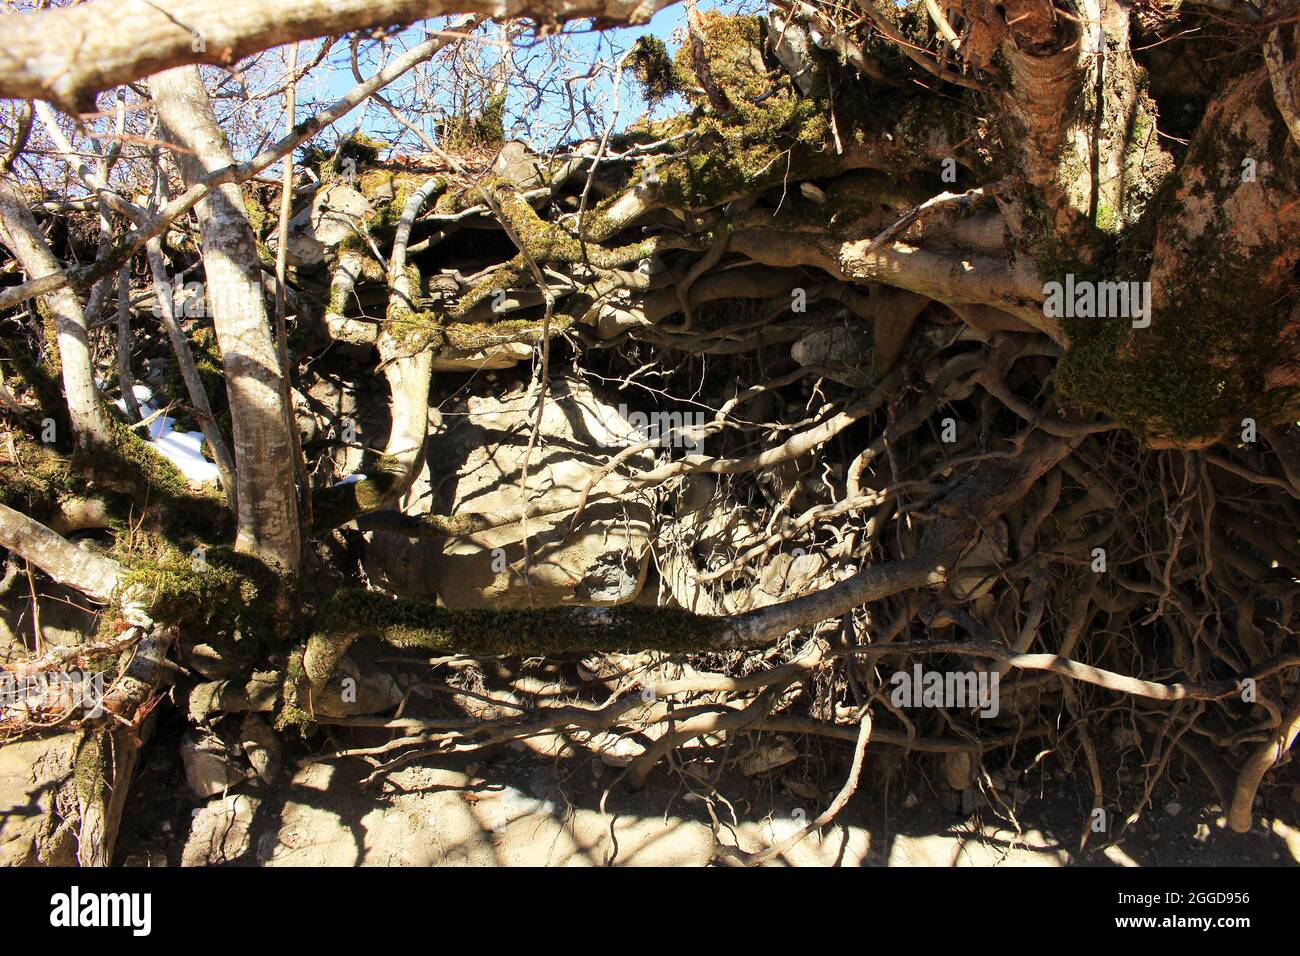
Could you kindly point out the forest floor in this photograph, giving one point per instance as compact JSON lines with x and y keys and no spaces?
{"x":517,"y":807}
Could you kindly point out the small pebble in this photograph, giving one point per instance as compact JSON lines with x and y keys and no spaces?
{"x":1173,"y":808}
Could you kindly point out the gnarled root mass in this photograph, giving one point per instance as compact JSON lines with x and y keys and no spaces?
{"x":878,"y":475}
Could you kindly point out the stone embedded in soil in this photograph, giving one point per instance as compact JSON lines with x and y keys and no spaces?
{"x":767,"y":757}
{"x":208,"y":767}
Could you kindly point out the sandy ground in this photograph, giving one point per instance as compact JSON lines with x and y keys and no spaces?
{"x":516,"y":807}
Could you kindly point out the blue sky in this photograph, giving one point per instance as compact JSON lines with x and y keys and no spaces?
{"x":531,"y":120}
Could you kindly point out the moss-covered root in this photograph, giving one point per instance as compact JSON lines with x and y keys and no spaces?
{"x":334,"y":507}
{"x":214,"y":590}
{"x":102,"y":772}
{"x":352,"y":613}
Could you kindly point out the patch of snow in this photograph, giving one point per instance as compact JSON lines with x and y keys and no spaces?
{"x":182,"y":449}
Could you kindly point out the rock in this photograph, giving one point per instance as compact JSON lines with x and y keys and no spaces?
{"x":506,"y":355}
{"x":958,"y":769}
{"x":813,"y":193}
{"x":975,"y":573}
{"x":910,"y":800}
{"x":793,"y":48}
{"x":221,"y":831}
{"x":768,"y":756}
{"x":616,"y":750}
{"x":38,"y":801}
{"x":261,"y":746}
{"x":208,"y":767}
{"x":787,"y":576}
{"x":217,"y":656}
{"x":354,"y":691}
{"x":258,"y":693}
{"x":518,"y":164}
{"x":1173,"y":808}
{"x":63,"y":622}
{"x":847,"y":349}
{"x":476,"y":471}
{"x":332,"y":217}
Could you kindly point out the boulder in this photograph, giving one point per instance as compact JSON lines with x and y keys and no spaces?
{"x":518,"y":164}
{"x":491,"y":358}
{"x":221,"y":831}
{"x":332,"y":216}
{"x":63,"y":622}
{"x":262,"y":747}
{"x":355,"y":690}
{"x":208,"y":766}
{"x":767,"y":756}
{"x":38,"y":802}
{"x":473,"y":467}
{"x":846,"y":350}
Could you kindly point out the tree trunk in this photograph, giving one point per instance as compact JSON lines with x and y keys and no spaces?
{"x":260,"y":422}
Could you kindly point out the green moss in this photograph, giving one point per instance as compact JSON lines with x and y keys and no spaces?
{"x":131,"y":459}
{"x":127,"y":472}
{"x":545,"y":242}
{"x":1203,"y":364}
{"x":291,"y":713}
{"x":208,"y":362}
{"x":1198,"y":370}
{"x":525,"y":632}
{"x":88,"y":768}
{"x":650,"y":63}
{"x":257,"y":214}
{"x":475,"y":131}
{"x":363,"y":149}
{"x":227,"y":592}
{"x":35,"y":479}
{"x":733,"y":47}
{"x":42,"y":379}
{"x":52,"y":364}
{"x":336,"y":506}
{"x":750,"y":149}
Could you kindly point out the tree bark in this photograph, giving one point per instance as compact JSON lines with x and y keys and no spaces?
{"x":92,"y":574}
{"x":268,"y":505}
{"x":18,"y":231}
